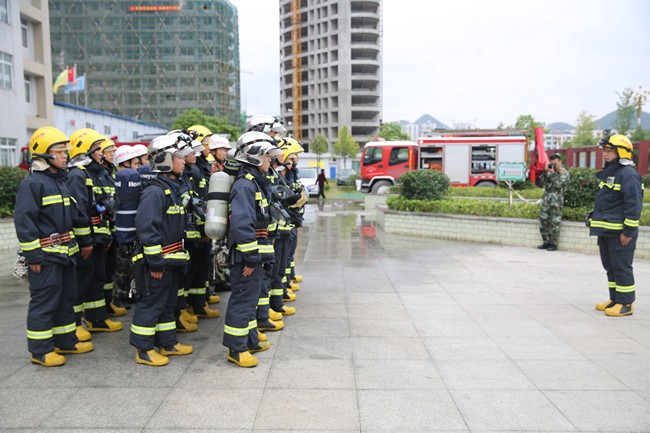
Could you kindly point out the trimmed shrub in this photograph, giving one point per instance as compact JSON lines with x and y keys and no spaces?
{"x":10,"y":178}
{"x":424,"y":185}
{"x":646,"y":180}
{"x":479,"y":191}
{"x":581,"y":191}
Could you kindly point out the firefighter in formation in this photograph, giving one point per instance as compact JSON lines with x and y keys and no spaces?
{"x":105,"y":227}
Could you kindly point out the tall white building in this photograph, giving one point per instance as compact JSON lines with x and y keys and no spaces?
{"x":341,"y":45}
{"x":25,"y":74}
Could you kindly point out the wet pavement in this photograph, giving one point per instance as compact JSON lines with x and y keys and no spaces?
{"x":392,"y":333}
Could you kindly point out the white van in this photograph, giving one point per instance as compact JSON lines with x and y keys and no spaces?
{"x":307,"y":178}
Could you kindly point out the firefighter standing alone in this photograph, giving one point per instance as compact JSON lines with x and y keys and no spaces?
{"x":615,"y":220}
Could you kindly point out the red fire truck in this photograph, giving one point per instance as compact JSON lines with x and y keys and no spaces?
{"x":469,"y":158}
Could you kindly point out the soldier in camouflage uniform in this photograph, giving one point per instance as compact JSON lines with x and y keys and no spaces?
{"x":555,"y":180}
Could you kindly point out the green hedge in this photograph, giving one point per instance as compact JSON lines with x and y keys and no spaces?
{"x":480,"y":191}
{"x":10,"y":178}
{"x":488,"y":208}
{"x":424,"y":185}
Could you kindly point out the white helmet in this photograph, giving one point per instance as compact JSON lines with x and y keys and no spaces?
{"x":162,"y":150}
{"x":252,"y":146}
{"x":266,"y":124}
{"x":124,"y":153}
{"x":217,"y":142}
{"x":140,"y":149}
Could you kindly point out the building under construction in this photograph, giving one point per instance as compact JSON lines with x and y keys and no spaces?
{"x":150,"y":60}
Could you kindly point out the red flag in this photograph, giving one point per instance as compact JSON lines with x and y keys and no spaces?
{"x":72,"y":74}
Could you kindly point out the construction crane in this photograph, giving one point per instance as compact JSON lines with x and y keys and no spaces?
{"x":296,"y":64}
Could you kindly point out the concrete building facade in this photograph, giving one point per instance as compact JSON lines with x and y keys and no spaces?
{"x":25,"y":74}
{"x":341,"y":67}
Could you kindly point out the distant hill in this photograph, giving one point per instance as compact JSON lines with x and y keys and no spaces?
{"x":560,"y":127}
{"x":607,"y":121}
{"x":427,"y":118}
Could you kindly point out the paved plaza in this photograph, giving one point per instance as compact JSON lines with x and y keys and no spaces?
{"x":392,"y":334}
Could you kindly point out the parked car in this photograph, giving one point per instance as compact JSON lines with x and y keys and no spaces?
{"x":308,"y":179}
{"x":346,"y":177}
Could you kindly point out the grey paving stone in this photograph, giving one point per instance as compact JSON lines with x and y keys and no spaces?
{"x":482,"y":374}
{"x":603,"y":348}
{"x":311,"y":374}
{"x":606,"y":411}
{"x":300,"y":326}
{"x":407,"y":410}
{"x":388,"y":348}
{"x":443,"y":327}
{"x":311,"y":409}
{"x":537,"y":348}
{"x":323,"y":311}
{"x":633,"y":373}
{"x":217,"y":373}
{"x":396,"y":374}
{"x":30,"y":407}
{"x":325,"y":297}
{"x":373,"y":298}
{"x":431,"y":299}
{"x":210,"y":408}
{"x":569,"y":375}
{"x":92,"y":408}
{"x":505,"y":410}
{"x":381,"y":328}
{"x":377,"y":312}
{"x":295,"y":347}
{"x":463,"y":348}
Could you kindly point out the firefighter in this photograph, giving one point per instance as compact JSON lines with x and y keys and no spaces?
{"x":127,"y":192}
{"x":86,"y":180}
{"x":160,"y":224}
{"x":249,"y":220}
{"x":108,"y":150}
{"x":555,"y":180}
{"x":50,"y":230}
{"x":615,"y":220}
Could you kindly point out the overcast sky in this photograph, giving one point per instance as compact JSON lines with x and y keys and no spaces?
{"x":480,"y":61}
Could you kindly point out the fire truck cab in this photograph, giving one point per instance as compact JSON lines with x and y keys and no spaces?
{"x":469,"y":158}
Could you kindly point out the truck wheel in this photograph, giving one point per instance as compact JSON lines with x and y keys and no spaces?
{"x":381,"y":187}
{"x":486,"y":183}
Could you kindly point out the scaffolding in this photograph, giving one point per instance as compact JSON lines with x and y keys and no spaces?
{"x":151,"y":60}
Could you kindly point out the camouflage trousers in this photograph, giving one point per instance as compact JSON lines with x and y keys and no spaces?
{"x":123,"y":272}
{"x":550,"y":218}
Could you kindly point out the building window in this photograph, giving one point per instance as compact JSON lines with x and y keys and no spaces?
{"x":107,"y":129}
{"x":28,"y":89}
{"x":24,"y":31}
{"x":7,"y":151}
{"x":6,"y":71}
{"x":4,"y":13}
{"x":90,"y":125}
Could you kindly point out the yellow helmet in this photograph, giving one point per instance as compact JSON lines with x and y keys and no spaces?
{"x":290,"y":146}
{"x":621,"y":144}
{"x":44,"y":138}
{"x":201,"y":130}
{"x":85,"y":141}
{"x":106,"y":144}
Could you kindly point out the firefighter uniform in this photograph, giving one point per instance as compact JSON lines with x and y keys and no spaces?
{"x":127,"y":191}
{"x":615,"y":220}
{"x":48,"y":230}
{"x":90,"y":188}
{"x":111,"y":254}
{"x":160,"y":223}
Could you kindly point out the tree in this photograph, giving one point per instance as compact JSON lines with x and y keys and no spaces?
{"x":392,"y":131}
{"x":217,"y":125}
{"x":527,"y":123}
{"x":625,"y":108}
{"x":345,"y":146}
{"x":319,"y":146}
{"x":585,"y":126}
{"x":639,"y":134}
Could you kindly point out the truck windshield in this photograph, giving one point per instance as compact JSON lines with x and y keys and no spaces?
{"x":372,"y":155}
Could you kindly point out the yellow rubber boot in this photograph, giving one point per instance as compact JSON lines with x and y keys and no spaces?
{"x":207,"y":313}
{"x":297,"y":278}
{"x":270,"y":325}
{"x":184,"y":327}
{"x":242,"y":359}
{"x":214,"y":299}
{"x":188,"y":317}
{"x":105,"y":326}
{"x":81,"y":347}
{"x":115,"y":311}
{"x":288,"y":311}
{"x":261,"y":347}
{"x":602,"y":306}
{"x":82,"y":334}
{"x":294,"y":286}
{"x":51,"y":359}
{"x":618,"y":310}
{"x":177,"y":349}
{"x":261,"y":336}
{"x":290,"y":296}
{"x":274,"y":315}
{"x":150,"y":357}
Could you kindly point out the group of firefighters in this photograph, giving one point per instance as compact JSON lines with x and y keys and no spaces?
{"x":99,"y":224}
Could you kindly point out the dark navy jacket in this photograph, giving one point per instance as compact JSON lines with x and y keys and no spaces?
{"x":44,"y":206}
{"x":127,"y":190}
{"x":619,"y":201}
